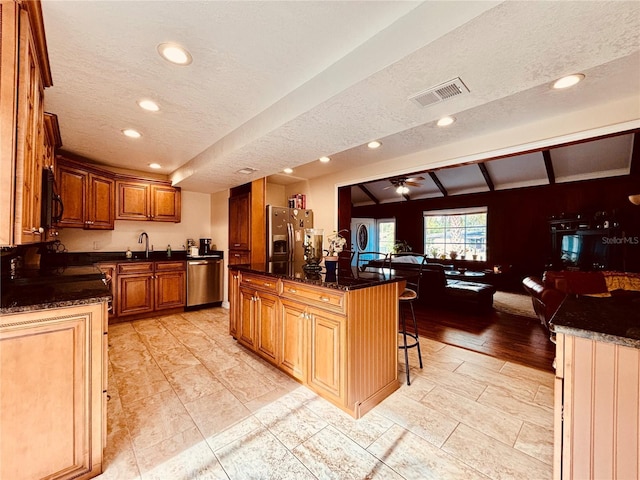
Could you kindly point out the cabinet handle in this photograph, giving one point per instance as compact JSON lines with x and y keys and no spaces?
{"x":236,"y":244}
{"x":292,"y":290}
{"x":325,"y":299}
{"x":236,"y":254}
{"x":266,"y":284}
{"x":37,"y":231}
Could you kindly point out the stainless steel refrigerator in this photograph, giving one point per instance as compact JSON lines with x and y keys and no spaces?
{"x":285,"y":233}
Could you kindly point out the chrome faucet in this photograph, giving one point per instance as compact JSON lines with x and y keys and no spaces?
{"x":146,"y":245}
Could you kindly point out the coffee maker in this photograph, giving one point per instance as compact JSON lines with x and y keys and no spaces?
{"x":205,"y":246}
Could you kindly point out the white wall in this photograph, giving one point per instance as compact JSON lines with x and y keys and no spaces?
{"x":196,"y":223}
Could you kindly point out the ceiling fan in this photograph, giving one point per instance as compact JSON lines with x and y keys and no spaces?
{"x":401,"y":184}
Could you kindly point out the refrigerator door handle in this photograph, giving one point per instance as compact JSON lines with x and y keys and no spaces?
{"x":291,"y":241}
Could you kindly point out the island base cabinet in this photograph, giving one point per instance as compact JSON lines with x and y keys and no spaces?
{"x":326,"y":342}
{"x":52,"y":393}
{"x":293,"y":334}
{"x":597,"y":422}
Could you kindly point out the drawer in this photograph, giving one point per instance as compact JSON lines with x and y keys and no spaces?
{"x":259,"y":282}
{"x":327,"y":298}
{"x":135,"y":267}
{"x":171,"y":266}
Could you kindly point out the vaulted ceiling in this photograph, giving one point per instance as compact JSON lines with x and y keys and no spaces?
{"x":277,"y":84}
{"x":604,"y":157}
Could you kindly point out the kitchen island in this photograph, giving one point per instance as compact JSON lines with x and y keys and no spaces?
{"x":597,"y":388}
{"x":53,"y":359}
{"x":336,"y":334}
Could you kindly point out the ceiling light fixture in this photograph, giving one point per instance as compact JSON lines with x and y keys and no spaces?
{"x":148,"y":105}
{"x":446,"y":121}
{"x":131,"y":133}
{"x":175,"y":54}
{"x":288,"y":170}
{"x":402,"y":189}
{"x":247,"y":170}
{"x":324,"y":159}
{"x":568,"y":81}
{"x":635,"y":199}
{"x":155,"y":166}
{"x":375,"y":144}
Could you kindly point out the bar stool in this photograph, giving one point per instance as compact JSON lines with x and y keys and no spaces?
{"x":407,"y":297}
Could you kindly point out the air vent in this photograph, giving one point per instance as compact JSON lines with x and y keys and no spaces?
{"x":247,"y":170}
{"x":439,"y":93}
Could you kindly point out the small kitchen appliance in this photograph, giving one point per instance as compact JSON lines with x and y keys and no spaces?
{"x":205,"y":246}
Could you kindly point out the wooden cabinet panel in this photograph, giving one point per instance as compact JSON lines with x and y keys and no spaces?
{"x":165,"y":204}
{"x":326,"y":341}
{"x":170,"y":290}
{"x":234,"y":300}
{"x":246,"y":318}
{"x":240,"y":222}
{"x":72,"y":183}
{"x":139,"y":200}
{"x":135,"y":294}
{"x":292,"y":339}
{"x":101,"y":200}
{"x":266,"y":320}
{"x":239,"y":257}
{"x":133,"y":200}
{"x":320,"y":297}
{"x":51,"y":393}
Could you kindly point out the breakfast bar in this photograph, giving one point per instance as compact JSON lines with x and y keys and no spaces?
{"x":336,"y":334}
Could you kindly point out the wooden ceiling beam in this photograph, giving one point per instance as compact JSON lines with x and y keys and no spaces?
{"x":369,"y":194}
{"x":634,"y":168}
{"x":438,"y":183}
{"x":548,"y":165}
{"x":487,"y":177}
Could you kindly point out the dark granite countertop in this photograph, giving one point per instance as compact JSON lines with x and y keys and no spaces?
{"x":346,"y":277}
{"x":35,"y":289}
{"x":611,"y":319}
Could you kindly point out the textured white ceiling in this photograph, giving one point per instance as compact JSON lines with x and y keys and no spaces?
{"x":277,"y":84}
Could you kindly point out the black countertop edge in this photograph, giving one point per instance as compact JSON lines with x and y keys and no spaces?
{"x":346,"y":278}
{"x":55,"y":304}
{"x":610,"y":320}
{"x":87,"y":258}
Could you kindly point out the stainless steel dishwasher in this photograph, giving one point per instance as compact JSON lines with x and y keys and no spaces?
{"x":205,"y":281}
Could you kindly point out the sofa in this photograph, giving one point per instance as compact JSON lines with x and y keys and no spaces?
{"x":548,"y":293}
{"x":437,"y":289}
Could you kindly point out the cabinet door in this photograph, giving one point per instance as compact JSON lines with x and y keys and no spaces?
{"x":239,"y":257}
{"x":234,"y":300}
{"x":292,"y":334}
{"x":51,"y":410}
{"x":72,"y":183}
{"x":165,"y":203}
{"x":135,"y":294}
{"x":246,"y":319}
{"x":30,"y":138}
{"x":133,"y":201}
{"x":326,"y":343}
{"x":267,"y":326}
{"x":170,"y":290}
{"x":100,"y":203}
{"x":239,"y":222}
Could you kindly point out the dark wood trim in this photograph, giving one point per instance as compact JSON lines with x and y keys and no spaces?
{"x":634,"y":168}
{"x":487,"y":177}
{"x":438,"y":183}
{"x":548,"y":165}
{"x":369,"y":194}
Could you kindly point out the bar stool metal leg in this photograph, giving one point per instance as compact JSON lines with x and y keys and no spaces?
{"x":415,"y":340}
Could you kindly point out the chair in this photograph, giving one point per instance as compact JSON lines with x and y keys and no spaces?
{"x":363,"y":259}
{"x":411,"y":292}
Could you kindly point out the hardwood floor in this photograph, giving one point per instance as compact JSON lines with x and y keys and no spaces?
{"x":510,"y":337}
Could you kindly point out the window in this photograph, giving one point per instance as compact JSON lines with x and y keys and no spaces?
{"x":456,"y":233}
{"x":386,"y":234}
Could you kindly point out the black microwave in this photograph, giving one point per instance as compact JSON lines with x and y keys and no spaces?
{"x":52,"y":207}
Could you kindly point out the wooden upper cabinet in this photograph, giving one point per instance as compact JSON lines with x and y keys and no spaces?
{"x":87,"y":196}
{"x":140,"y":200}
{"x":240,"y":222}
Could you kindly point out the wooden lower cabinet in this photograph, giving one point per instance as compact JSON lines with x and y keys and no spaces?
{"x":234,"y":302}
{"x":597,"y":409}
{"x":146,"y":287}
{"x":53,"y":393}
{"x":342,"y":344}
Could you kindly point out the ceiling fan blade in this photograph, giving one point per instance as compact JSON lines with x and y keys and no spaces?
{"x":414,"y":179}
{"x":413,"y":184}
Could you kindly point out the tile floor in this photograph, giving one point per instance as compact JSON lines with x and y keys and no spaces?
{"x":186,"y":402}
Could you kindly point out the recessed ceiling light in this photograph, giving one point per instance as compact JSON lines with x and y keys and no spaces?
{"x":325,"y":159}
{"x":148,"y":105}
{"x":155,"y":165}
{"x":374,"y":144}
{"x":174,"y":53}
{"x":568,"y":81}
{"x":288,"y":170}
{"x":445,"y":121}
{"x":131,"y":133}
